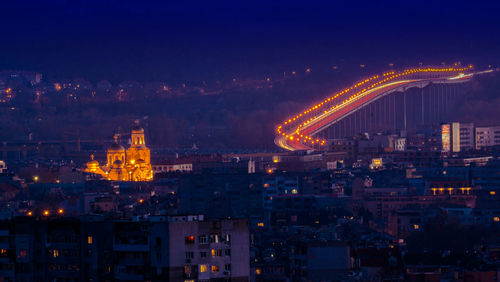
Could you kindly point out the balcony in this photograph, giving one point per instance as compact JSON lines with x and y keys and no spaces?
{"x":131,"y":247}
{"x":129,"y":276}
{"x":131,"y":261}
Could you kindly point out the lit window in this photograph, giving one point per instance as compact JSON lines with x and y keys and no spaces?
{"x":496,"y":219}
{"x":189,"y":240}
{"x":260,"y":224}
{"x":492,"y":193}
{"x":203,"y":268}
{"x":89,"y":240}
{"x":215,"y":268}
{"x":216,"y":253}
{"x":416,"y":226}
{"x":214,"y":238}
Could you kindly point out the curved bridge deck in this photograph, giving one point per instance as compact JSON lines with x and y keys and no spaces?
{"x":300,"y":132}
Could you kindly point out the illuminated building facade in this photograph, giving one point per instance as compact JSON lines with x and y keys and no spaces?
{"x":445,"y":137}
{"x":132,"y":164}
{"x":452,"y":134}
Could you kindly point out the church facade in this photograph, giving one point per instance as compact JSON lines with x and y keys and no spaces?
{"x":132,"y":164}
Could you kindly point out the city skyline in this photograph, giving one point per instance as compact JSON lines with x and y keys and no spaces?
{"x":249,"y":141}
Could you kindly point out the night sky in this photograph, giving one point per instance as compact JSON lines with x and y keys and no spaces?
{"x":154,"y":40}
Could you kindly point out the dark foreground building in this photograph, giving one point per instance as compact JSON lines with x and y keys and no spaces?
{"x":92,"y":248}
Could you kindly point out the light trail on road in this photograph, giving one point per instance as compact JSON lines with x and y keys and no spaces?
{"x":298,"y":132}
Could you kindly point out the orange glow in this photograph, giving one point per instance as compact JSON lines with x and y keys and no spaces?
{"x":46,"y":212}
{"x":141,"y":201}
{"x":30,"y":213}
{"x":134,"y":162}
{"x":492,"y":193}
{"x":60,"y":211}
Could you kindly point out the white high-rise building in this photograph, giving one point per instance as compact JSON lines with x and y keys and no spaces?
{"x":487,"y":136}
{"x":467,"y":136}
{"x":455,"y":137}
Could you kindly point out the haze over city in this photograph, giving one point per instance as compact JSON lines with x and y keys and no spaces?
{"x":249,"y":141}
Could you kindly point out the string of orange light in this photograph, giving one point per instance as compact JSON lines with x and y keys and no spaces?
{"x":291,"y":128}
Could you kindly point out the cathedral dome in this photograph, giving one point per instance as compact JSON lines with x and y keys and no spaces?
{"x":137,"y":128}
{"x":92,"y":164}
{"x":116,"y":148}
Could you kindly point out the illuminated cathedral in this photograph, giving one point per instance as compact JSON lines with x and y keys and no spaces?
{"x":133,"y":164}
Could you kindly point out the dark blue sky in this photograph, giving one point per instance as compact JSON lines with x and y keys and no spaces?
{"x":153,"y":40}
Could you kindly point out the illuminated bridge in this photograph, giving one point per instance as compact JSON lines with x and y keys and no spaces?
{"x":392,"y":100}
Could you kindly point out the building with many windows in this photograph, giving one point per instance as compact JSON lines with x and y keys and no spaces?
{"x":487,"y":136}
{"x":208,"y":250}
{"x":95,"y":248}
